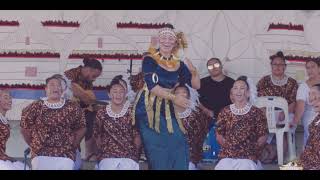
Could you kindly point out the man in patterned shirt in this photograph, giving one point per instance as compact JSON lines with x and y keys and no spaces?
{"x":80,"y":88}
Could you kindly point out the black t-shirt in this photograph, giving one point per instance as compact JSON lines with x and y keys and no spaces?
{"x":215,"y":95}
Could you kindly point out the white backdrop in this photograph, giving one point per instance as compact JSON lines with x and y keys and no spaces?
{"x":239,"y":38}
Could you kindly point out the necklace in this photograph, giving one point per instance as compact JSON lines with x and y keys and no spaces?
{"x":280,"y":82}
{"x":241,"y":111}
{"x":3,"y":119}
{"x":185,"y":113}
{"x":121,"y":113}
{"x":57,"y":105}
{"x":170,"y":62}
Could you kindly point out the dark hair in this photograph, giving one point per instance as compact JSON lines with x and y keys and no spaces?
{"x":183,"y":86}
{"x":244,"y":79}
{"x":216,"y":59}
{"x":318,"y":86}
{"x":317,"y":61}
{"x":168,"y":26}
{"x":52,"y":77}
{"x":279,"y":54}
{"x":116,"y":80}
{"x":93,"y":63}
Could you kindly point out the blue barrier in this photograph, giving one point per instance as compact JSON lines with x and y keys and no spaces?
{"x":211,"y":147}
{"x":35,"y":94}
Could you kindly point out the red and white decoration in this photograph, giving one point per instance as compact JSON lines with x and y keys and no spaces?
{"x":290,"y":27}
{"x":8,"y":23}
{"x":28,"y":54}
{"x":58,"y":23}
{"x":105,"y":55}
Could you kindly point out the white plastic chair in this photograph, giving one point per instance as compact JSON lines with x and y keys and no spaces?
{"x":270,"y":103}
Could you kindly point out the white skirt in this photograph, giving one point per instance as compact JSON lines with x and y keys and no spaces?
{"x":118,"y":164}
{"x":308,"y":117}
{"x":238,"y":164}
{"x":192,"y":166}
{"x":78,"y":162}
{"x":8,"y":165}
{"x":52,"y":163}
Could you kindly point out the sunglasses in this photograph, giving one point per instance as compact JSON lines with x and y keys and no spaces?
{"x":215,"y":65}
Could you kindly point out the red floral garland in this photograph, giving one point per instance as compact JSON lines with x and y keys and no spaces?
{"x":30,"y":55}
{"x":71,"y":56}
{"x":22,"y":86}
{"x":9,"y":23}
{"x":120,"y":25}
{"x":61,"y":23}
{"x":36,"y":87}
{"x":289,"y":26}
{"x":291,"y":58}
{"x":107,"y":56}
{"x":142,"y":25}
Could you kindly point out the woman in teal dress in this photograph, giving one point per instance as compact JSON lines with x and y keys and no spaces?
{"x":163,"y":135}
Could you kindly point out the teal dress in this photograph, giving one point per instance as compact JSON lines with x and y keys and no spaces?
{"x":162,"y":133}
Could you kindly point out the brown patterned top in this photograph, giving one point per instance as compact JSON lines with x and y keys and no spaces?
{"x":310,"y":157}
{"x":75,"y":76}
{"x":265,"y":87}
{"x":197,"y":126}
{"x":241,"y":133}
{"x":137,"y":81}
{"x":116,"y":136}
{"x":52,"y":130}
{"x":4,"y":136}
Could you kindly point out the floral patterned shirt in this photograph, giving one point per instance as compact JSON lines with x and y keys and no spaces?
{"x":310,"y":157}
{"x":197,"y":127}
{"x":52,"y":130}
{"x":4,"y":136}
{"x":116,"y":135}
{"x":288,"y":91}
{"x":241,"y":133}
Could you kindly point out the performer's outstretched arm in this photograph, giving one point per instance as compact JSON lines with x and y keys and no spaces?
{"x":195,"y":78}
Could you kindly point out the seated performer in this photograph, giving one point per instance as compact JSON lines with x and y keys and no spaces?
{"x":6,"y":162}
{"x":241,"y":131}
{"x":118,"y":140}
{"x":310,"y":157}
{"x":278,"y":84}
{"x":53,"y":127}
{"x":303,"y":109}
{"x":195,"y":121}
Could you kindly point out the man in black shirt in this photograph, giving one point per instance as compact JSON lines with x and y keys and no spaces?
{"x":215,"y":89}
